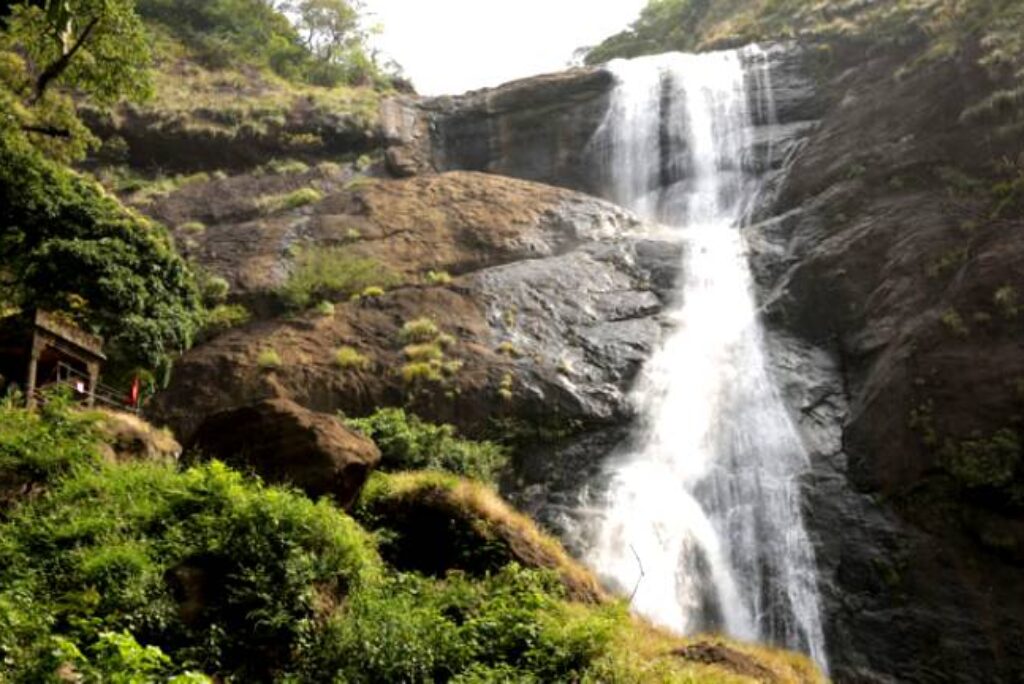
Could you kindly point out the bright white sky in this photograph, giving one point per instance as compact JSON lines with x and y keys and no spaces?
{"x":450,"y":46}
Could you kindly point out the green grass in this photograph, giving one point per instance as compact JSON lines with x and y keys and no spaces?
{"x":350,"y":358}
{"x":268,"y":359}
{"x":331,"y":273}
{"x":302,"y":197}
{"x":419,"y":331}
{"x":224,"y":317}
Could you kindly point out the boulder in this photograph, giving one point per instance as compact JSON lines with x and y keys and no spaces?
{"x":284,"y":443}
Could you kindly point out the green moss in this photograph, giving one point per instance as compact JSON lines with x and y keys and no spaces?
{"x":984,"y":462}
{"x":1007,"y":302}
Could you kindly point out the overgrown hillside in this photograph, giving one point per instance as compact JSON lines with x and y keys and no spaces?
{"x":136,"y":570}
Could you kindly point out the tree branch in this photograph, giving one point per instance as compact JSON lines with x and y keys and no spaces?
{"x":54,"y":71}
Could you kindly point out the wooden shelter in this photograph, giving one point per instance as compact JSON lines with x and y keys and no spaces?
{"x":40,"y":349}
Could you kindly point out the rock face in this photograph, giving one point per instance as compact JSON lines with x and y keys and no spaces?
{"x":283,"y":442}
{"x":537,"y":128}
{"x":880,"y":284}
{"x":554,"y":301}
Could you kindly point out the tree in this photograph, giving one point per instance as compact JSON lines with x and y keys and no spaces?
{"x":66,"y":245}
{"x":330,"y":28}
{"x":96,"y":48}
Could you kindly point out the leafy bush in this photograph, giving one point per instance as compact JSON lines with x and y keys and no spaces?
{"x":408,"y":443}
{"x":113,"y":548}
{"x":66,"y":245}
{"x":37,"y":446}
{"x":412,"y":629}
{"x":328,"y":273}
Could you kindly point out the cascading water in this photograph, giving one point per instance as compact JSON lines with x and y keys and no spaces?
{"x":706,"y":498}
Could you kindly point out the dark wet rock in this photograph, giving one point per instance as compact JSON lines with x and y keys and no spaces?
{"x":866,"y":272}
{"x":283,"y":442}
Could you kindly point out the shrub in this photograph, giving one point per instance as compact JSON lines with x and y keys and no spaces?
{"x":439,"y":278}
{"x":273,"y":556}
{"x":285,"y":167}
{"x":325,"y":308}
{"x":373,"y":291}
{"x":408,"y":443}
{"x":350,"y":358}
{"x":329,"y":273}
{"x":224,"y":317}
{"x":292,"y":200}
{"x":36,"y":446}
{"x":425,"y":353}
{"x":419,"y":330}
{"x":268,"y":359}
{"x":214,"y":289}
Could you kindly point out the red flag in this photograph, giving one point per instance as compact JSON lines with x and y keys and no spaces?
{"x":133,"y":395}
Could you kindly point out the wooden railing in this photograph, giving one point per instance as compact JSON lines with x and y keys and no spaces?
{"x":77,"y":385}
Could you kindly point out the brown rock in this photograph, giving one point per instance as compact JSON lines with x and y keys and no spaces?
{"x":284,"y":443}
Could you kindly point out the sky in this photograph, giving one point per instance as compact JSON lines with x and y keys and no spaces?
{"x":451,"y":46}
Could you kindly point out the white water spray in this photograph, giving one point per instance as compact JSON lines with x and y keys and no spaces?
{"x":707,"y":496}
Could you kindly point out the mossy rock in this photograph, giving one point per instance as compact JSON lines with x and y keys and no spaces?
{"x":434,"y":523}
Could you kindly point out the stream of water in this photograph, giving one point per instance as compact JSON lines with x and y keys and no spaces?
{"x":705,"y":501}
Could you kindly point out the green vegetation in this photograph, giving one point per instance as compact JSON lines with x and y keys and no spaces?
{"x":325,"y":309}
{"x":954,"y":323}
{"x":36,"y":447}
{"x":138,"y":572}
{"x":68,"y":246}
{"x":292,"y":200}
{"x":419,"y":330}
{"x":438,"y":278}
{"x":268,"y":359}
{"x":72,"y":581}
{"x":224,"y":317}
{"x":96,"y":48}
{"x":327,"y":47}
{"x":992,"y":466}
{"x":425,"y":352}
{"x":331,"y":273}
{"x":350,"y":358}
{"x":1007,"y":301}
{"x":408,"y":443}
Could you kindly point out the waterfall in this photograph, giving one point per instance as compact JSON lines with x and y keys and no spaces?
{"x":705,"y":498}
